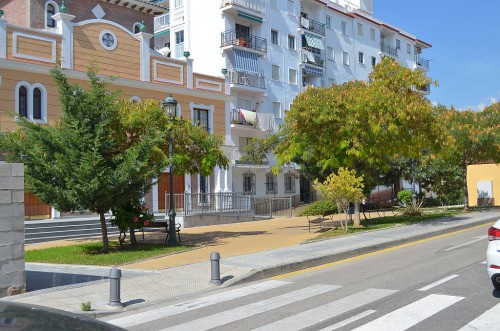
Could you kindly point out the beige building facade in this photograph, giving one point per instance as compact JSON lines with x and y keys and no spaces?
{"x":483,"y":184}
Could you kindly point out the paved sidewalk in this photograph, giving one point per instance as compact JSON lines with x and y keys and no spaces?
{"x":249,"y":251}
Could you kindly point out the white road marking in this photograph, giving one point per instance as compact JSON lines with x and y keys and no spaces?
{"x":466,"y":244}
{"x":319,"y":314}
{"x":348,"y":321}
{"x":155,"y":314}
{"x":252,"y":309}
{"x":408,"y":316}
{"x":489,"y":321}
{"x":439,"y":282}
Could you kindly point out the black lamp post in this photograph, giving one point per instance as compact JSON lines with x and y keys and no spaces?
{"x":170,"y":106}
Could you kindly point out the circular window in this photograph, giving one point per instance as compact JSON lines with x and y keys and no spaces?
{"x":108,"y":40}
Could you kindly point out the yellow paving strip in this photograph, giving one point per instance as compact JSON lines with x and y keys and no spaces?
{"x":319,"y":267}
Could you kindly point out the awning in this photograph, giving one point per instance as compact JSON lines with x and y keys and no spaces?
{"x":249,"y":17}
{"x":314,"y":41}
{"x":246,"y":62}
{"x":162,"y":33}
{"x":314,"y":71}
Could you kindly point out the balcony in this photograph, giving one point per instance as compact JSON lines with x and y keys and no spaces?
{"x":247,"y":80}
{"x":253,"y":5}
{"x":312,"y":56}
{"x":231,"y":38}
{"x":387,"y":49}
{"x":422,"y":63}
{"x":237,"y":117}
{"x":312,"y":25}
{"x":162,"y":22}
{"x":426,"y":89}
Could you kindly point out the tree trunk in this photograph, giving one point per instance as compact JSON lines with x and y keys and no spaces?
{"x":357,"y":218}
{"x":466,"y":191}
{"x":133,"y":239}
{"x":104,"y":230}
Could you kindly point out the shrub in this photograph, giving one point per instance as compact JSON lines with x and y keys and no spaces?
{"x":404,"y":196}
{"x":86,"y":306}
{"x":319,"y":208}
{"x":412,"y":209}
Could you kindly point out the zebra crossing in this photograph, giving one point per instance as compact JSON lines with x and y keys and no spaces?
{"x":346,"y":312}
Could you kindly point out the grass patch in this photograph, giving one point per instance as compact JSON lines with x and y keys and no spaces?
{"x":386,"y":222}
{"x":89,"y":253}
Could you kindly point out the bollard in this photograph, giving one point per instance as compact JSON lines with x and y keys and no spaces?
{"x":214,"y":263}
{"x":114,"y":288}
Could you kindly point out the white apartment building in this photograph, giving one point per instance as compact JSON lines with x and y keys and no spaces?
{"x":269,"y":51}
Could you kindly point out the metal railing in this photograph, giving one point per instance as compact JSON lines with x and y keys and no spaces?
{"x":308,"y":56}
{"x":421,"y":62}
{"x":161,"y":22}
{"x":231,"y":38}
{"x":244,"y":79}
{"x":389,"y":49}
{"x":238,"y":118}
{"x":254,"y":5}
{"x":312,"y":25}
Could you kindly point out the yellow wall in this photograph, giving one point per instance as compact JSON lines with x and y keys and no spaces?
{"x":483,"y":172}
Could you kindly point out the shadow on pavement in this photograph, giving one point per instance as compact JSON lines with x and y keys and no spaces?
{"x":38,"y":280}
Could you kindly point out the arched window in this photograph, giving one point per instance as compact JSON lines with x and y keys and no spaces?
{"x":50,"y":11}
{"x":23,"y":101}
{"x":37,"y":104}
{"x":137,"y":28}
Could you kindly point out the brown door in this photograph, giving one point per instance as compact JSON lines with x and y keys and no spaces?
{"x":164,"y":187}
{"x":34,"y":208}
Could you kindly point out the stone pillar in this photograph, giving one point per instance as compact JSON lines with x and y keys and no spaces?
{"x":12,"y":276}
{"x":145,"y":39}
{"x":65,"y":28}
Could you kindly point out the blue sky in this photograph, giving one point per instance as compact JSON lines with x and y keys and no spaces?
{"x":465,"y":39}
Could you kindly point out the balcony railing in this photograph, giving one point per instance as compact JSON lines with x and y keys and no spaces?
{"x":312,"y":25}
{"x":421,"y":62}
{"x":254,"y":5}
{"x":389,"y":49}
{"x":425,"y":88}
{"x":237,"y":117}
{"x":231,"y":38}
{"x":162,"y":22}
{"x":244,"y":79}
{"x":308,"y":56}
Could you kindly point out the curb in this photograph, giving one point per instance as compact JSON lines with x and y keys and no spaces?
{"x":276,"y":270}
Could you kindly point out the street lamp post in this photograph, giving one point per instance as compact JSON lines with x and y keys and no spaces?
{"x":170,"y":106}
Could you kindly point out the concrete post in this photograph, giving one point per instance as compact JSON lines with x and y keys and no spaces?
{"x":215,"y":268}
{"x":114,"y":288}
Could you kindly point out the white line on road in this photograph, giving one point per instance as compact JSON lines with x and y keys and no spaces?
{"x":490,"y":320}
{"x":439,"y":282}
{"x":348,"y":321}
{"x":233,"y":315}
{"x":467,"y":243}
{"x":322,"y":313}
{"x":155,"y":314}
{"x":408,"y":316}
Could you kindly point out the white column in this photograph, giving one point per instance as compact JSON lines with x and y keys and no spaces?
{"x":189,"y":69}
{"x":154,"y":189}
{"x":218,"y":177}
{"x":55,"y":213}
{"x":187,"y":183}
{"x":228,"y":179}
{"x":65,"y":28}
{"x":145,"y":55}
{"x":3,"y":38}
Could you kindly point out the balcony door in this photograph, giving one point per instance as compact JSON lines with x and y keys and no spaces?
{"x":243,"y":31}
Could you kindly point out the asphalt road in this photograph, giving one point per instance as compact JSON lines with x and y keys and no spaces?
{"x":435,"y":284}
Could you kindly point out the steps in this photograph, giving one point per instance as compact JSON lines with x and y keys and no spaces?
{"x":60,"y":229}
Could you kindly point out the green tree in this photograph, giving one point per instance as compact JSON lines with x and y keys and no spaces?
{"x":342,"y":188}
{"x":473,"y":137}
{"x":104,"y":152}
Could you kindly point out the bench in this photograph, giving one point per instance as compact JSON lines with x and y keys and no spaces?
{"x":382,"y":207}
{"x":163,"y":225}
{"x":320,"y":219}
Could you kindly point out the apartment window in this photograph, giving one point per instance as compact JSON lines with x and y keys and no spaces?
{"x":374,"y":61}
{"x":398,"y":44}
{"x":277,"y":109}
{"x":37,"y":104}
{"x":330,"y":53}
{"x":360,"y":29}
{"x":245,"y":104}
{"x":344,"y":28}
{"x":274,"y":37}
{"x":249,"y":183}
{"x":179,"y":43}
{"x":329,"y":22}
{"x":361,"y":57}
{"x":22,"y":108}
{"x":50,"y":10}
{"x":200,"y":118}
{"x":291,"y":42}
{"x":31,"y":101}
{"x":408,"y":48}
{"x":345,"y":58}
{"x":292,"y":76}
{"x":178,"y":3}
{"x":271,"y":184}
{"x":289,"y":183}
{"x":291,"y":7}
{"x":276,"y":72}
{"x":372,"y":34}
